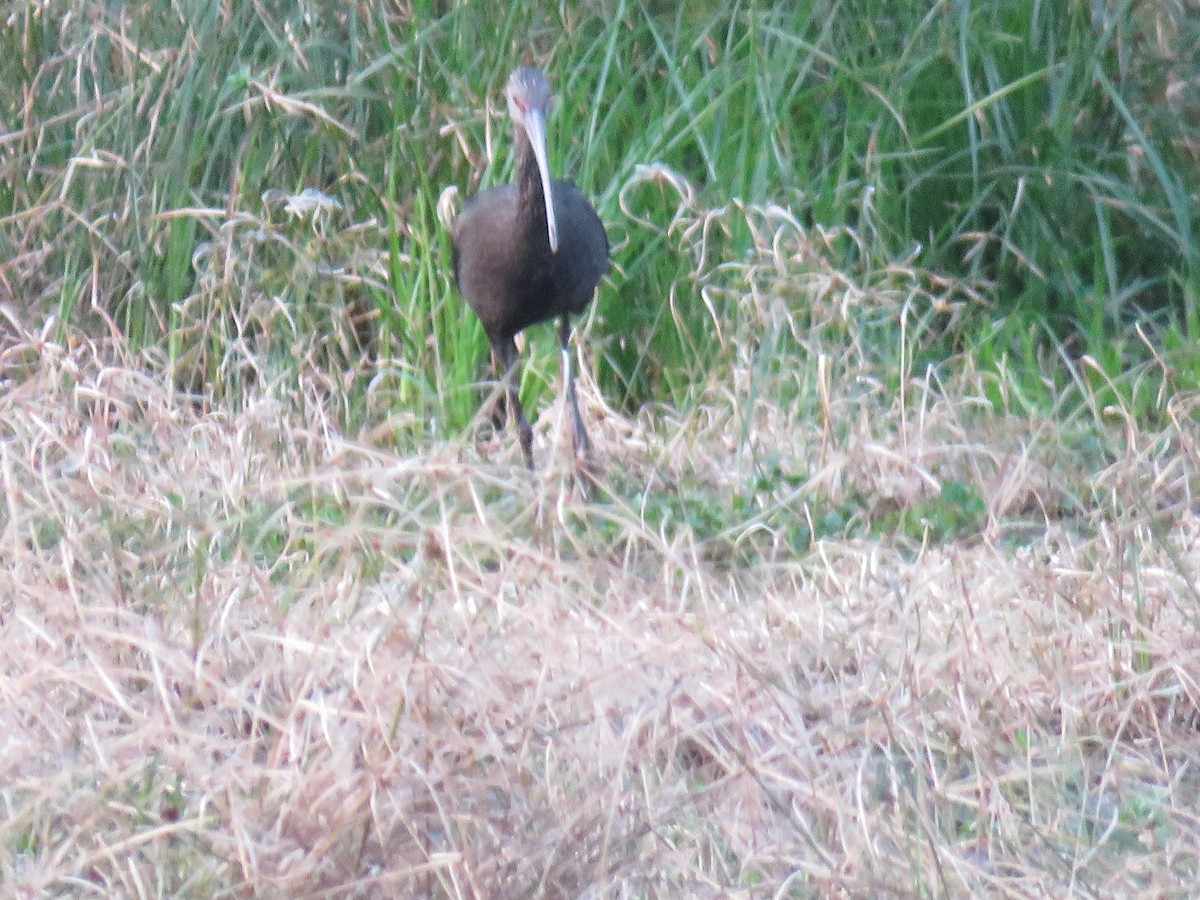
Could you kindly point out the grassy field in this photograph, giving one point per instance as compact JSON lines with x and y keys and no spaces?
{"x":889,"y":582}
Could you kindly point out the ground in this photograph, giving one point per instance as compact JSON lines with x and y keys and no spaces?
{"x":247,"y":654}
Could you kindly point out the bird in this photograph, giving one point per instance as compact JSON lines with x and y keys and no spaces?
{"x":530,"y":251}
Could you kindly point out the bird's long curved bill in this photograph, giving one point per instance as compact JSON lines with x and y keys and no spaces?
{"x":535,"y":128}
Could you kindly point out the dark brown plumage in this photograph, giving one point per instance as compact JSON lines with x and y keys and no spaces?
{"x":519,"y":261}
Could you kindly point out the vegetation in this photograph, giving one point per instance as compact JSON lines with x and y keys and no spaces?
{"x":888,"y":581}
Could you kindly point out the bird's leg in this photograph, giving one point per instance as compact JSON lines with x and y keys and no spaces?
{"x":579,"y":434}
{"x":496,"y":395}
{"x":506,"y":352}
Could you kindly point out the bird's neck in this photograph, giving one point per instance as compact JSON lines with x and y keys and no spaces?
{"x":531,"y":202}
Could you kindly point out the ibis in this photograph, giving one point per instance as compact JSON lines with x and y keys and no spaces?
{"x":529,"y":252}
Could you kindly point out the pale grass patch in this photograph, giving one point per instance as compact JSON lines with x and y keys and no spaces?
{"x":245,"y":654}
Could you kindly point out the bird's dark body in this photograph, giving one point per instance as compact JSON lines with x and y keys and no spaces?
{"x":518,"y":263}
{"x":508,"y":274}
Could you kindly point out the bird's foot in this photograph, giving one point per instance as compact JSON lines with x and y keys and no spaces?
{"x":586,"y":472}
{"x":525,"y":432}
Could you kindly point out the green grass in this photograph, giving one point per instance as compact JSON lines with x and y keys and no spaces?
{"x":1038,"y":159}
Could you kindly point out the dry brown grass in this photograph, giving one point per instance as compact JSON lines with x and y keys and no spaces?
{"x":245,"y":655}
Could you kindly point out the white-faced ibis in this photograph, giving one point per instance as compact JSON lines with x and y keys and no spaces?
{"x":525,"y":253}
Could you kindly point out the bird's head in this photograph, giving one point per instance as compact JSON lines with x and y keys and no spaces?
{"x":527,"y":90}
{"x":529,"y":98}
